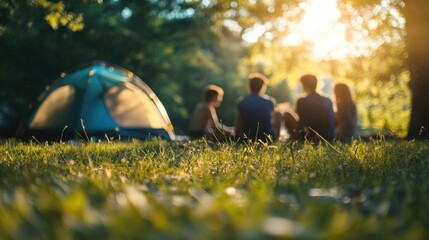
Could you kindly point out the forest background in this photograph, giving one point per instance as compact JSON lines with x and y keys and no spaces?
{"x":179,"y":46}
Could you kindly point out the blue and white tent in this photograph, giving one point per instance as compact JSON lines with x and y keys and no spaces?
{"x":98,"y":101}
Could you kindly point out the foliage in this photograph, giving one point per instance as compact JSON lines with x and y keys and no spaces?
{"x":57,"y":16}
{"x":376,"y":69}
{"x":381,"y":77}
{"x":417,"y":35}
{"x":176,"y":51}
{"x":158,"y":189}
{"x":178,"y":47}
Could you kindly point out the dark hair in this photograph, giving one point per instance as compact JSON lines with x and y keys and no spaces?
{"x":343,"y":94}
{"x":211,"y":92}
{"x":309,"y":81}
{"x":256,"y":81}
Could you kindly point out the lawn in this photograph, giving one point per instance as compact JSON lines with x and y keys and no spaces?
{"x":204,"y":190}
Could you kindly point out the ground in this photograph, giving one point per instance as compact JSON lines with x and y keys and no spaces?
{"x":169,"y":190}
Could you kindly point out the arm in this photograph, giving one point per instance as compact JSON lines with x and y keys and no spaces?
{"x":299,"y":112}
{"x":217,"y":124}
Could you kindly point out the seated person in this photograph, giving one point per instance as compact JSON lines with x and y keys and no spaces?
{"x":346,"y":115}
{"x":315,"y":112}
{"x":204,"y":120}
{"x":255,"y":112}
{"x":284,"y":113}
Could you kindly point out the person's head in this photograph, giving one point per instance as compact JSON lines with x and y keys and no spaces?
{"x":213,"y":94}
{"x":257,"y":83}
{"x":309,"y":83}
{"x":342,"y":94}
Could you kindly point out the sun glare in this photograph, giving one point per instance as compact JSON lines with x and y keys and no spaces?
{"x":320,"y":27}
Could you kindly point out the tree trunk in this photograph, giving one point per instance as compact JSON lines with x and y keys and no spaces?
{"x":416,"y":13}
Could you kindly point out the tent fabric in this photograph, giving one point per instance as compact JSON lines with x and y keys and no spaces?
{"x":98,"y":101}
{"x":53,"y":111}
{"x":129,"y":113}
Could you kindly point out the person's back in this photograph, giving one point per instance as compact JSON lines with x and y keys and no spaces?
{"x":346,"y":115}
{"x":255,"y":111}
{"x":345,"y":121}
{"x":204,"y":120}
{"x":201,"y":121}
{"x":315,"y":111}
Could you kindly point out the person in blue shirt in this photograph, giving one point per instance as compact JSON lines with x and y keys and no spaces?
{"x":315,"y":112}
{"x":256,"y":112}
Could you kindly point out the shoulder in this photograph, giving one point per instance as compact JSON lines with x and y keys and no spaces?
{"x":240,"y":100}
{"x":327,"y":104}
{"x":269,"y":98}
{"x":301,"y":99}
{"x":202,"y":107}
{"x":326,"y":99}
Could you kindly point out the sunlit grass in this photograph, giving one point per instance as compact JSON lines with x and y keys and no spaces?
{"x":158,"y":189}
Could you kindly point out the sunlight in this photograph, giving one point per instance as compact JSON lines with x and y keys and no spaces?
{"x":320,"y":27}
{"x":322,"y":31}
{"x":252,"y":35}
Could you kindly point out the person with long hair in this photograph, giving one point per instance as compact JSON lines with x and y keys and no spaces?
{"x":346,"y":115}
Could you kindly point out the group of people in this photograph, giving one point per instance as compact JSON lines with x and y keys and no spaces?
{"x":259,"y":119}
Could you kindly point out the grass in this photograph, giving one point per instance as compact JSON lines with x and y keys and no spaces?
{"x":200,"y":190}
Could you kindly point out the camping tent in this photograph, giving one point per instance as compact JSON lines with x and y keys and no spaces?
{"x":98,"y":101}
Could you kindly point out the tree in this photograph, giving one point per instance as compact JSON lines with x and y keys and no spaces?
{"x":417,"y":38}
{"x":417,"y":17}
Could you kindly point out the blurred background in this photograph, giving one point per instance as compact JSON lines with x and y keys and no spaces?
{"x":179,"y":46}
